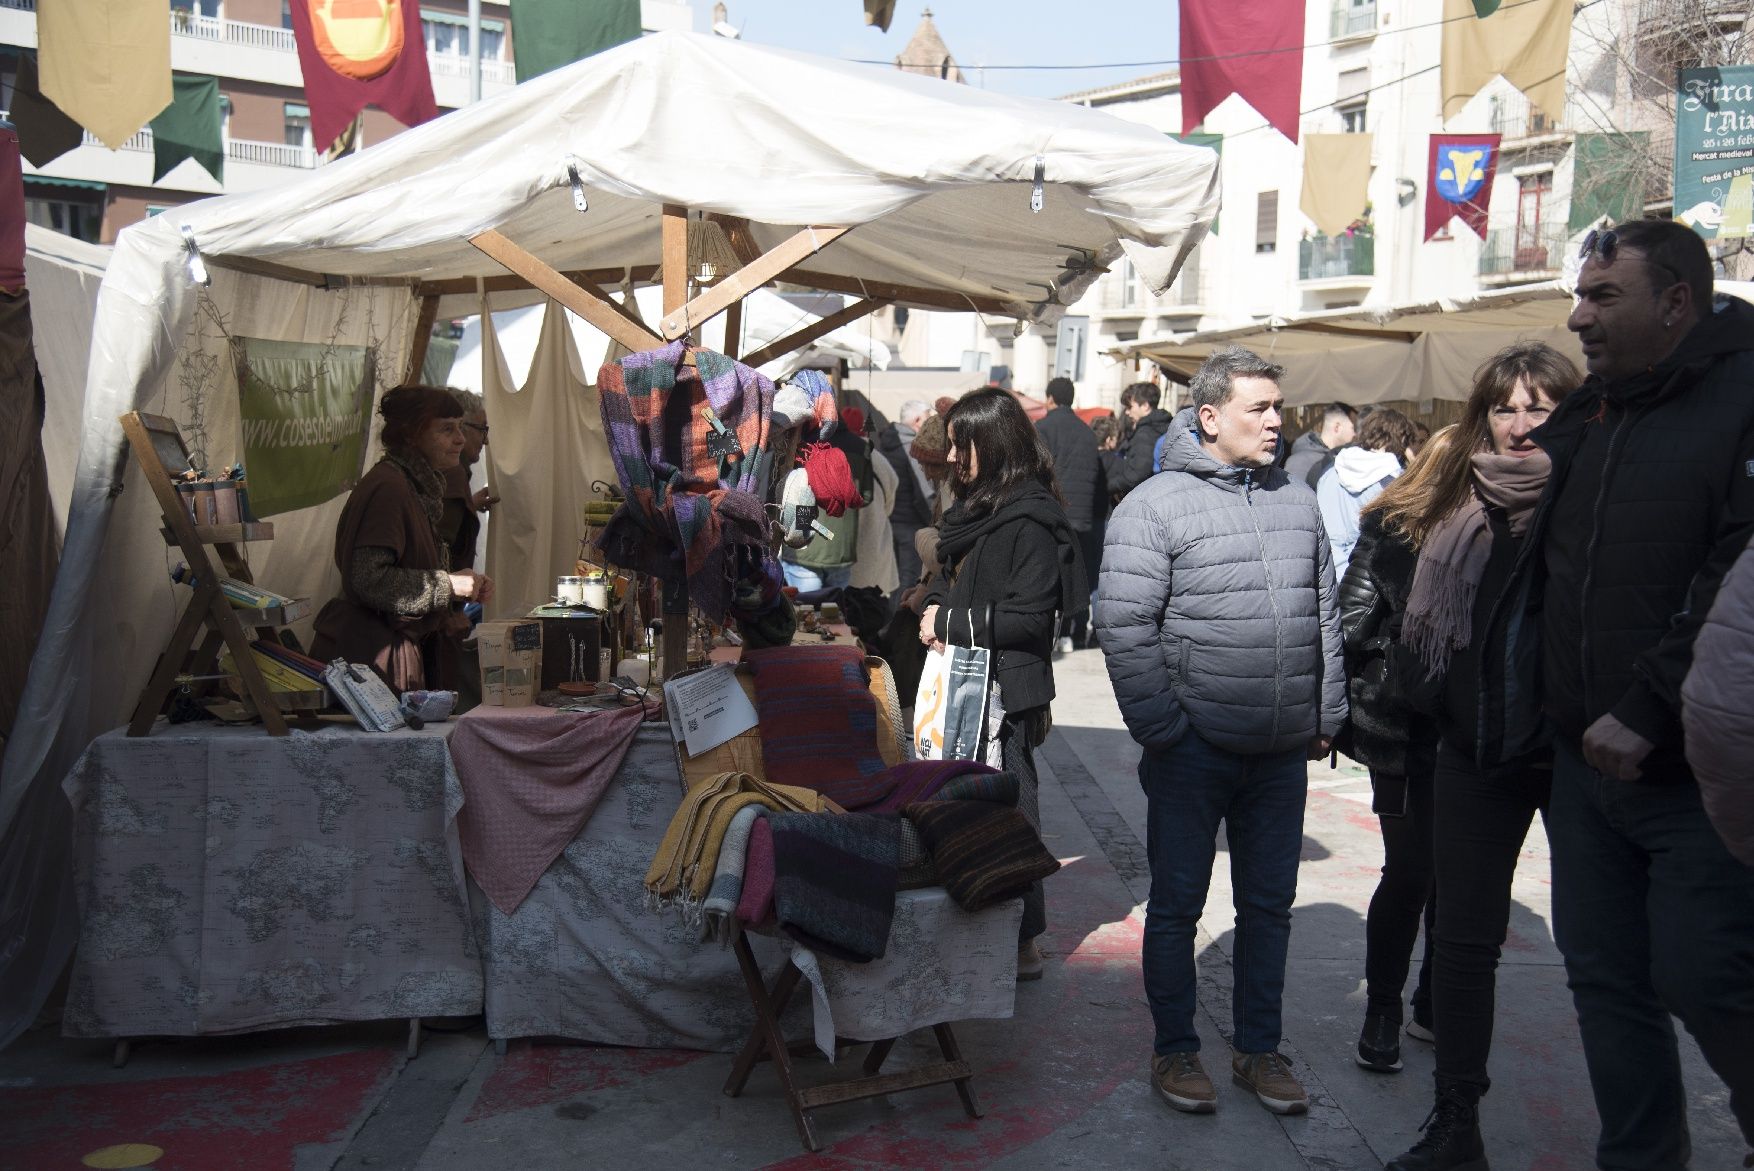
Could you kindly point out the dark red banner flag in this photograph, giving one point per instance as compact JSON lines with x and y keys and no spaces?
{"x":356,"y":53}
{"x":1458,"y":180}
{"x":1252,"y":48}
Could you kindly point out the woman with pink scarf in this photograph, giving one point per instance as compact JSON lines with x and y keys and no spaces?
{"x":1469,"y":531}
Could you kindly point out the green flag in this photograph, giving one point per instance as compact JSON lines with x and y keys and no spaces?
{"x":1609,"y":178}
{"x":1485,"y":8}
{"x":547,"y":34}
{"x":189,"y":128}
{"x":306,"y":410}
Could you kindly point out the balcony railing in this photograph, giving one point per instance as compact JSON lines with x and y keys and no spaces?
{"x":1532,"y":251}
{"x":1352,"y":20}
{"x":268,"y":154}
{"x":451,"y":65}
{"x":20,"y":5}
{"x":1324,"y":258}
{"x":1515,"y":118}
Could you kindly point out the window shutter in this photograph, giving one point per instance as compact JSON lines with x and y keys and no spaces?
{"x":1267,"y":221}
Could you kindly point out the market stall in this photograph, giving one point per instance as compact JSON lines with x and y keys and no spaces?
{"x":883,"y":187}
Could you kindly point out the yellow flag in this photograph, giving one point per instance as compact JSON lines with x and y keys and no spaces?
{"x":1336,"y":180}
{"x":106,"y":63}
{"x":1526,"y":42}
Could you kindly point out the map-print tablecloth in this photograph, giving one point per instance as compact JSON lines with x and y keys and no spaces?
{"x":583,"y":957}
{"x":229,"y":881}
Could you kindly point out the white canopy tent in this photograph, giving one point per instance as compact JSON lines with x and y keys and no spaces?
{"x":853,"y":179}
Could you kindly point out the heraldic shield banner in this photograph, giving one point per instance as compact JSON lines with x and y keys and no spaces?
{"x":1458,"y":181}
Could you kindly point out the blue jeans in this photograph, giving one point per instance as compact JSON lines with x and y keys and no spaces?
{"x":1654,"y":916}
{"x":1191,"y":788}
{"x":808,"y":581}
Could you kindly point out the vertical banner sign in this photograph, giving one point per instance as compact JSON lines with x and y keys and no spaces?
{"x":1714,"y":150}
{"x":1458,"y":181}
{"x":359,"y":53}
{"x":306,"y":412}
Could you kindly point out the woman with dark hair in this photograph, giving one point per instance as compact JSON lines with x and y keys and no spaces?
{"x":1468,"y":520}
{"x":397,"y":587}
{"x":1005,"y":543}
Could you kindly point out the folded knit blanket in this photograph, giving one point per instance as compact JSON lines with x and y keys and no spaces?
{"x":818,"y":717}
{"x":910,"y":782}
{"x":720,"y":906}
{"x":999,"y":788}
{"x":984,"y":853}
{"x":682,"y":872}
{"x":834,"y":881}
{"x":755,"y":904}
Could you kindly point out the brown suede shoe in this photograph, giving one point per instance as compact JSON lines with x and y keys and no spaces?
{"x":1269,"y":1076}
{"x":1182,"y":1082}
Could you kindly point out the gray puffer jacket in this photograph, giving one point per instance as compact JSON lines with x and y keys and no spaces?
{"x":1217,"y":608}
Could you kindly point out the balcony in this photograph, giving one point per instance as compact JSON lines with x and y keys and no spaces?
{"x":1336,"y":258}
{"x":1521,"y":123}
{"x":267,"y":154}
{"x":492,"y":72}
{"x":1514,"y":255}
{"x":1352,"y":20}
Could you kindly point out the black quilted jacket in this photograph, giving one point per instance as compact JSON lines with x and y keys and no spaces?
{"x":1382,"y":731}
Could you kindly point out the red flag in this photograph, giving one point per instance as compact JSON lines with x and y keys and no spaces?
{"x":356,"y":53}
{"x":1253,"y":48}
{"x":1458,"y":181}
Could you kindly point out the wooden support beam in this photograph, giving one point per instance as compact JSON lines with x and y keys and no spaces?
{"x":733,"y":329}
{"x":675,"y":260}
{"x":798,"y":339}
{"x":680,"y":319}
{"x":422,"y":336}
{"x":453,"y":286}
{"x":910,"y":294}
{"x":588,"y":303}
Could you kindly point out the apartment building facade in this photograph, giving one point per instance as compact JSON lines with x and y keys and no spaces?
{"x":93,"y":192}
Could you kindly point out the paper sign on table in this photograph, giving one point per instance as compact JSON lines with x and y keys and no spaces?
{"x":708,"y":708}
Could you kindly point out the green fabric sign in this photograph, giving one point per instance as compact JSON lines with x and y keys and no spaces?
{"x":1714,"y":150}
{"x":189,"y":128}
{"x":1609,"y":178}
{"x":547,"y":34}
{"x":306,"y":412}
{"x":1485,"y":8}
{"x":1211,"y":142}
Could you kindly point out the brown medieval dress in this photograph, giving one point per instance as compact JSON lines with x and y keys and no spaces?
{"x":393,"y":618}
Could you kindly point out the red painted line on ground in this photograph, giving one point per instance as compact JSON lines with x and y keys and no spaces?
{"x":203,"y":1123}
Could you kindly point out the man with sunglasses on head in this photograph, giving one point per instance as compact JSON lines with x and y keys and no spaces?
{"x":1651,"y":498}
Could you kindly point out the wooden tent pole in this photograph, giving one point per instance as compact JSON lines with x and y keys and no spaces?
{"x":588,"y":302}
{"x":682,"y":318}
{"x":422,"y":336}
{"x":798,"y":339}
{"x":674,"y":603}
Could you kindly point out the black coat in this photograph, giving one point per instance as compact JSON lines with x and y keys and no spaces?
{"x":1077,"y":466}
{"x":1130,"y":466}
{"x":1383,"y":730}
{"x":1025,"y":563}
{"x":912,"y":510}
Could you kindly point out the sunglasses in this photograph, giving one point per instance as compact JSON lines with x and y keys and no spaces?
{"x":1604,"y":243}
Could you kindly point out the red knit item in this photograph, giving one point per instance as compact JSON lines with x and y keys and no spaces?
{"x":853,"y":419}
{"x":831,"y":478}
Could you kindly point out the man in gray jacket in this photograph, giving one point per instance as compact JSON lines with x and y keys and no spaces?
{"x":1218,"y":615}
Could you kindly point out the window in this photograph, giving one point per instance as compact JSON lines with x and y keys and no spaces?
{"x":1129,"y":285}
{"x":83,"y":221}
{"x":1267,"y":222}
{"x":448,"y":36}
{"x":298,"y":124}
{"x":286,"y":14}
{"x":1534,"y":193}
{"x":1352,"y":119}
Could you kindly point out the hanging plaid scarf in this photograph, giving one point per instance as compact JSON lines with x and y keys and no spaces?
{"x":690,"y":514}
{"x":429,"y":489}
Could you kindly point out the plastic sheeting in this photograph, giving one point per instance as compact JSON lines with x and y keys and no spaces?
{"x":938,"y":180}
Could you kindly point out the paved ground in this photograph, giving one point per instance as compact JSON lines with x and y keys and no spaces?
{"x":1064,"y":1084}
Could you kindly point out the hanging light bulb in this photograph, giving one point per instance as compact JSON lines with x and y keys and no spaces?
{"x":705,"y":273}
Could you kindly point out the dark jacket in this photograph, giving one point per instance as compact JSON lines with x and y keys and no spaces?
{"x":1217,"y":610}
{"x":1383,"y":731}
{"x":1307,"y":453}
{"x":1651,"y":501}
{"x":1130,"y":465}
{"x":1022,"y":559}
{"x":1077,"y":466}
{"x":913,"y":510}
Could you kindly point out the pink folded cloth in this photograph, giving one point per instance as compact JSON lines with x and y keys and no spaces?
{"x":755,"y":905}
{"x":531,"y":778}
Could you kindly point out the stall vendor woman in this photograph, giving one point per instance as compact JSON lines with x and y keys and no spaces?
{"x":397,"y":589}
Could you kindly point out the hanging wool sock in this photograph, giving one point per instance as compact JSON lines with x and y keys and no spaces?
{"x":796,"y":494}
{"x":831,"y":479}
{"x":791,"y":406}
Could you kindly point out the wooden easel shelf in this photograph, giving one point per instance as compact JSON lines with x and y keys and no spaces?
{"x":259,"y":530}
